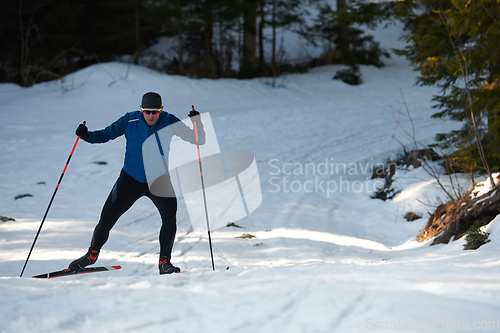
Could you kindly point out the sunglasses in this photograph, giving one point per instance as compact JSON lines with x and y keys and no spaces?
{"x":151,"y":111}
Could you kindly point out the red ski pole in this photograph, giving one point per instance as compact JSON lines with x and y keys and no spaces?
{"x":204,"y":195}
{"x":50,"y":203}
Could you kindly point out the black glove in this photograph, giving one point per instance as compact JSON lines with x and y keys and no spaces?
{"x":193,"y":113}
{"x":82,"y":131}
{"x":195,"y":117}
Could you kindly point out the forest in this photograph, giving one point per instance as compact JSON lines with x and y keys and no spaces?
{"x":47,"y":39}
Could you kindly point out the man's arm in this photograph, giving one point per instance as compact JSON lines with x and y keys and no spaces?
{"x":185,"y":133}
{"x":111,"y":132}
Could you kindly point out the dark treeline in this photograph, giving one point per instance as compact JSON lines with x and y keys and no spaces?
{"x":47,"y":39}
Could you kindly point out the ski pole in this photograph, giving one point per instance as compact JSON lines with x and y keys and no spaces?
{"x":203,"y":189}
{"x":50,"y":204}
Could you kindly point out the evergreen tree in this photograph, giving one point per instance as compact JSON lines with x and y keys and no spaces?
{"x":343,"y":43}
{"x":454,"y":44}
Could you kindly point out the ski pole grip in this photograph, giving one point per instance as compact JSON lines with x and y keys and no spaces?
{"x":84,"y":123}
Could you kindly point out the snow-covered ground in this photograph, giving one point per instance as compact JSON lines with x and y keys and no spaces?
{"x":326,"y":257}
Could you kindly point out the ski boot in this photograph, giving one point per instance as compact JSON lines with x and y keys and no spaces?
{"x":166,"y":267}
{"x":88,"y":259}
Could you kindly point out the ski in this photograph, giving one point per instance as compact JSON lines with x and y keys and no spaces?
{"x":67,"y":271}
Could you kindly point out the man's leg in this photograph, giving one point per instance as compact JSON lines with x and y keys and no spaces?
{"x":167,"y":206}
{"x":168,"y":212}
{"x":123,"y":195}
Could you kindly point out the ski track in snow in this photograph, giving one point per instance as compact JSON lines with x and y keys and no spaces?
{"x":320,"y":262}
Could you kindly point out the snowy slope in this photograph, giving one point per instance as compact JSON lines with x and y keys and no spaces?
{"x":323,"y":260}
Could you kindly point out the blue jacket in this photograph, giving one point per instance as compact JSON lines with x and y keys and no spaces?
{"x":136,"y":131}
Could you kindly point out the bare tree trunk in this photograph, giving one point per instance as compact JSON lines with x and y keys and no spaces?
{"x":208,"y":60}
{"x":137,"y":33}
{"x":221,"y":49}
{"x":273,"y":52}
{"x":180,"y":50}
{"x":249,"y":61}
{"x":262,"y":59}
{"x":23,"y":61}
{"x":24,"y":69}
{"x":343,"y":40}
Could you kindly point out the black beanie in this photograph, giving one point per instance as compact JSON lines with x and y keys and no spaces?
{"x":151,"y":100}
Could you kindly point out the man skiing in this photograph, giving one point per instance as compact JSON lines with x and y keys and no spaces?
{"x":137,"y":126}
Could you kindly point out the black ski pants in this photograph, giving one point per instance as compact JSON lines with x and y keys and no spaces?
{"x":124,"y":194}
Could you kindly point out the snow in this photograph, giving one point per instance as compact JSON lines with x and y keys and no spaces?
{"x":484,"y":187}
{"x":326,"y":256}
